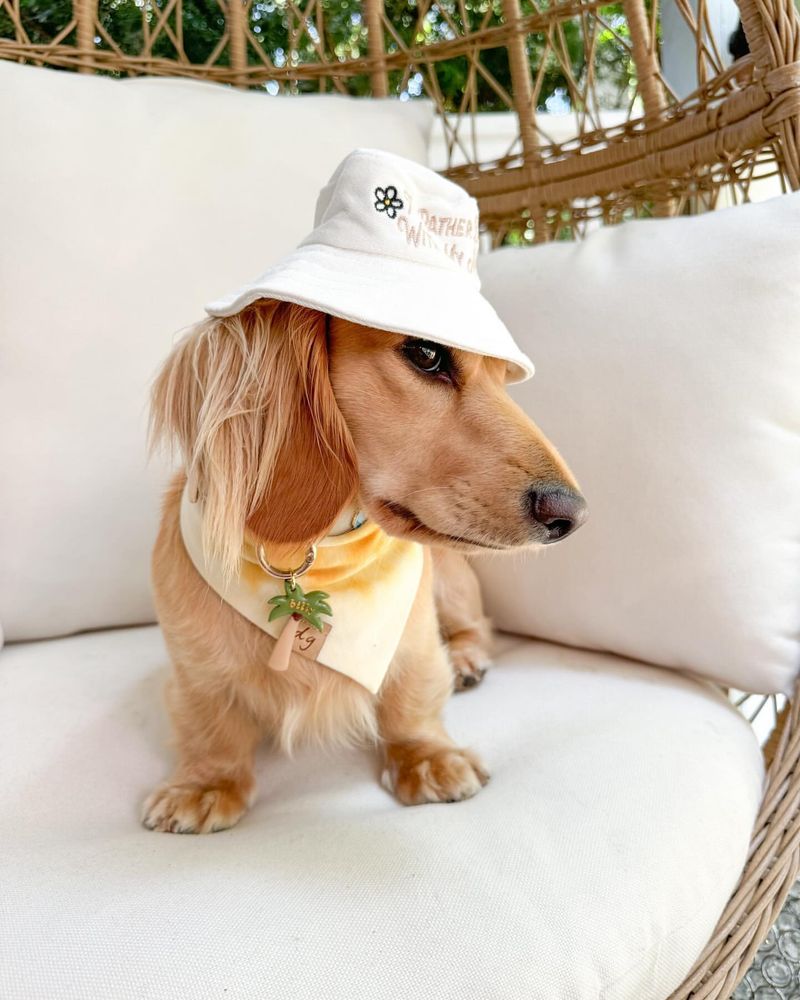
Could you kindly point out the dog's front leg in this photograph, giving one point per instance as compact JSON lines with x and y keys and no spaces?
{"x":459,"y":605}
{"x":422,"y":763}
{"x":213,"y":783}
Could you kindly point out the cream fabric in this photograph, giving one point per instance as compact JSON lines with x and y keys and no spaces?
{"x":668,"y":374}
{"x":394,"y":246}
{"x":593,"y":865}
{"x":372,"y":581}
{"x":124,"y":203}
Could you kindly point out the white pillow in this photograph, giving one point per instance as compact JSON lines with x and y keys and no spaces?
{"x":668,"y":374}
{"x":126,"y":206}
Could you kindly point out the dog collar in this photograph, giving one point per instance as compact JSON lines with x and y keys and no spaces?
{"x":348,"y":520}
{"x":371,"y":578}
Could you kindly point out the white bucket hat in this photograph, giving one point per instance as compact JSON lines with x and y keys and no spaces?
{"x":394,"y":246}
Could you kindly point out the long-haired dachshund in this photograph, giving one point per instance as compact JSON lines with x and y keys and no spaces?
{"x":308,"y":572}
{"x":287,"y":417}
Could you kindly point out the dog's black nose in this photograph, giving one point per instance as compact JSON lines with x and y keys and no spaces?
{"x":557,"y":509}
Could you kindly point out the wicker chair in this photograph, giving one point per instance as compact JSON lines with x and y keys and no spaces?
{"x":671,"y":155}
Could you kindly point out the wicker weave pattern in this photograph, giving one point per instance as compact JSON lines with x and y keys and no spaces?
{"x":770,"y":872}
{"x":669,"y":156}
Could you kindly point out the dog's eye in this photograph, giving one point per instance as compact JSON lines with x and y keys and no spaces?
{"x":430,"y":359}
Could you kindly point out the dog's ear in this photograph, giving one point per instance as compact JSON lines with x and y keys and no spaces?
{"x":315,"y":471}
{"x":249,"y":401}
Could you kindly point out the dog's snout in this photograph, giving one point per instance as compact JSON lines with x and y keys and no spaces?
{"x":557,"y":509}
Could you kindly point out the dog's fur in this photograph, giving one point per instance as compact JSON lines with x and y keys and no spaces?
{"x":284,"y":416}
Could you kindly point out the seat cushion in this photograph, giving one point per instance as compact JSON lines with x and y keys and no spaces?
{"x":594,"y":864}
{"x":134,"y":203}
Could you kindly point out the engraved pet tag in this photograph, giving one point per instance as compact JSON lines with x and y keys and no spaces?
{"x":304,"y":613}
{"x":309,"y":641}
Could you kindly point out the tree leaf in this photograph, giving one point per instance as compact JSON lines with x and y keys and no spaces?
{"x":279,"y":612}
{"x":317,"y":595}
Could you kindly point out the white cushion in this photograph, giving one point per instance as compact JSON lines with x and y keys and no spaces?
{"x":126,"y":206}
{"x":667,"y":371}
{"x":595,"y":863}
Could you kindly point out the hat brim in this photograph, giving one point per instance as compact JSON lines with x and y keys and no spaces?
{"x":387,"y":293}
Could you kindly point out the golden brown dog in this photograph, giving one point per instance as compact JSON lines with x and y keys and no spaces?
{"x":284,"y":416}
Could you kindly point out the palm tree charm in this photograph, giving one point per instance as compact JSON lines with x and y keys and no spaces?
{"x":297,"y":606}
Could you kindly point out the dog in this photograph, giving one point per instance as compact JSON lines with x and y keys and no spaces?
{"x":287,"y":416}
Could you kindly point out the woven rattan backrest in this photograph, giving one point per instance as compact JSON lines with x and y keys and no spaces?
{"x":665,"y":151}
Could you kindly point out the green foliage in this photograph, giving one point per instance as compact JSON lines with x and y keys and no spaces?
{"x":345,"y":38}
{"x":42,"y":20}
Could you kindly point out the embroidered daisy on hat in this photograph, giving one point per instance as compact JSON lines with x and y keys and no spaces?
{"x":394,"y":247}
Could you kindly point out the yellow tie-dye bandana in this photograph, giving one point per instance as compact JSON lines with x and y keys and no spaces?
{"x":372,"y":580}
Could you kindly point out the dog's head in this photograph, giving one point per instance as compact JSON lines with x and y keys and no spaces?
{"x":284,"y":416}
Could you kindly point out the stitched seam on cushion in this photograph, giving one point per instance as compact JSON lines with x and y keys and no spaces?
{"x":658,"y":949}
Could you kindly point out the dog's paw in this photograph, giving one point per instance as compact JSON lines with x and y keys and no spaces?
{"x":469,"y":659}
{"x":418,"y":773}
{"x":194,"y":808}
